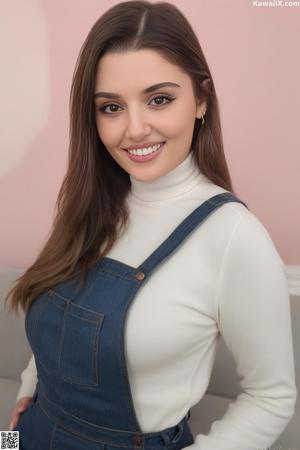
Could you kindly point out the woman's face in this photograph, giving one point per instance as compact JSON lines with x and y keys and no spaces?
{"x":128,"y":115}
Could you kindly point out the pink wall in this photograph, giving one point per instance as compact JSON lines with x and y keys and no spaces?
{"x":253,"y":55}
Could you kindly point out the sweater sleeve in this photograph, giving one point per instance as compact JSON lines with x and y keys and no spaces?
{"x":29,"y":380}
{"x":254,"y":319}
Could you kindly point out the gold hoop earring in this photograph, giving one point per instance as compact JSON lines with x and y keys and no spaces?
{"x":202,"y":117}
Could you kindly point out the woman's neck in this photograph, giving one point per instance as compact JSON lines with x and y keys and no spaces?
{"x":179,"y":180}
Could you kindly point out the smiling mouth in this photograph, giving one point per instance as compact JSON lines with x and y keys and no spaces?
{"x":140,"y":157}
{"x":146,"y":150}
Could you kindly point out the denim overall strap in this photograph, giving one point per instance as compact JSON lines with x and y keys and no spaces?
{"x":182,"y":231}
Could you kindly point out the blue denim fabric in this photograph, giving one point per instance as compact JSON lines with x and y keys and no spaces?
{"x":83,"y":398}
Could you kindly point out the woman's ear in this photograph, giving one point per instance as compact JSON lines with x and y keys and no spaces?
{"x":201,"y":109}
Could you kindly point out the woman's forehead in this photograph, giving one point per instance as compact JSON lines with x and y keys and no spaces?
{"x":139,"y":69}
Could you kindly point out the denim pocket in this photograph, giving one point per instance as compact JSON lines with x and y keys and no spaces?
{"x":65,"y":338}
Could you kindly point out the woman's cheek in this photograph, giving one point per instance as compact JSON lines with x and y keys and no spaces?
{"x":110,"y":134}
{"x":104,"y":134}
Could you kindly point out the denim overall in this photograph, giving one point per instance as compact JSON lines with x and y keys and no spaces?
{"x":83,"y":399}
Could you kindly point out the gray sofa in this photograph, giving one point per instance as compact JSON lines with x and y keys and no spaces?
{"x":223,"y":387}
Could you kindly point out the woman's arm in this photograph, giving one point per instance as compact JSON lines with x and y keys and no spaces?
{"x":29,"y":380}
{"x":255,"y":322}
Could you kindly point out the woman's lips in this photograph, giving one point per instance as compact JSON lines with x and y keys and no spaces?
{"x":144,"y":158}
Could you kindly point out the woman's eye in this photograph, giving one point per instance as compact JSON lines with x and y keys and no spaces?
{"x":103,"y":108}
{"x":164,"y":97}
{"x":113,"y":107}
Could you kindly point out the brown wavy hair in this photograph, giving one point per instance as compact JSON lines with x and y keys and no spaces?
{"x":90,"y":209}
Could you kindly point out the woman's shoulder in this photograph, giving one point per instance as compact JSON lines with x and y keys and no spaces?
{"x":244,"y":229}
{"x":250,"y":235}
{"x":227,"y":215}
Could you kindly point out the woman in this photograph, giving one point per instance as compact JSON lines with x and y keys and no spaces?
{"x":151,"y":258}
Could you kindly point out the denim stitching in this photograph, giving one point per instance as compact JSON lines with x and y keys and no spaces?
{"x":117,"y":430}
{"x":97,"y":321}
{"x":41,"y":363}
{"x":130,"y":408}
{"x":111,"y":272}
{"x":53,"y":291}
{"x":52,"y":433}
{"x":77,"y":433}
{"x":69,"y":301}
{"x":37,"y":315}
{"x":95,"y":349}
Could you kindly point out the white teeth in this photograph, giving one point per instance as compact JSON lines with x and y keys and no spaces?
{"x":145,"y":151}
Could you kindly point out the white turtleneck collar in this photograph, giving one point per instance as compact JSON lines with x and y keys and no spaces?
{"x":179,"y":180}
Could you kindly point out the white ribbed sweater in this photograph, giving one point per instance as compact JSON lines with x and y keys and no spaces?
{"x":228,"y":278}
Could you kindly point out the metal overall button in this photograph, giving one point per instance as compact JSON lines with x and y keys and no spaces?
{"x":137,"y":440}
{"x":140,"y":275}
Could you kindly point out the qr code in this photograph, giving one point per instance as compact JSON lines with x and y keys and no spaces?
{"x":9,"y":439}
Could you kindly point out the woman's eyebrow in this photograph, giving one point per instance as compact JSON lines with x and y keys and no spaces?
{"x":145,"y":91}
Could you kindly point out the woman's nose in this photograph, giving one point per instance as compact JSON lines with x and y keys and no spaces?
{"x":137,"y":126}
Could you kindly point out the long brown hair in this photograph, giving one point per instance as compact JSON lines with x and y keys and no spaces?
{"x":90,"y":209}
